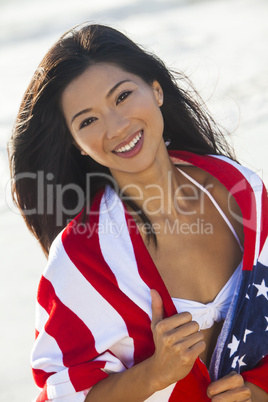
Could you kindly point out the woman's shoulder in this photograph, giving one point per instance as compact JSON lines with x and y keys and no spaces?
{"x":207,"y":168}
{"x":235,"y":188}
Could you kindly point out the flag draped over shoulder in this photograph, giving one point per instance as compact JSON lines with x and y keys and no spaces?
{"x":94,"y":306}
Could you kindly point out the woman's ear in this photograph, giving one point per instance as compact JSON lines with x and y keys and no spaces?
{"x":158,"y":93}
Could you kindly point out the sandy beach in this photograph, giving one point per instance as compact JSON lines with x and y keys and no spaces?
{"x":221,"y":44}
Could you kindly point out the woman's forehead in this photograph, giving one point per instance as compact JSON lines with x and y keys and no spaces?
{"x":101,"y":73}
{"x":96,"y":80}
{"x":99,"y":77}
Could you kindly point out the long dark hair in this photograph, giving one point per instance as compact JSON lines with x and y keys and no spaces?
{"x":41,"y":146}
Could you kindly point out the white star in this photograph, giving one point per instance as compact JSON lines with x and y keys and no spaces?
{"x":234,"y":362}
{"x":247,"y":332}
{"x":240,"y":361}
{"x":233,"y":345}
{"x":247,"y":296}
{"x":267,"y":323}
{"x":262,"y":289}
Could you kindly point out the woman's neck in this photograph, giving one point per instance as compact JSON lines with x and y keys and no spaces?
{"x":153,"y":189}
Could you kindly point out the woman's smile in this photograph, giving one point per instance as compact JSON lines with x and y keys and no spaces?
{"x":132,"y":147}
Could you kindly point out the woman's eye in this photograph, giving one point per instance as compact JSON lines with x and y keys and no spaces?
{"x":123,"y":96}
{"x":87,"y":122}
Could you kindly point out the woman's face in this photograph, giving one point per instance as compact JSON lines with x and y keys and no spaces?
{"x":115,"y":117}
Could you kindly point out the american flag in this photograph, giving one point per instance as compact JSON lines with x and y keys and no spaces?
{"x":94,"y":304}
{"x":247,"y":340}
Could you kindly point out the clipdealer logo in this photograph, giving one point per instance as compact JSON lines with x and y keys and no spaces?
{"x":50,"y":200}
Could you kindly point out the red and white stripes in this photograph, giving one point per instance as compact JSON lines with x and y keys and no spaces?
{"x":93,"y":304}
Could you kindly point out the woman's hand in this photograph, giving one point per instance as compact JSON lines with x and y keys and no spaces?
{"x":230,"y":388}
{"x":178,"y":343}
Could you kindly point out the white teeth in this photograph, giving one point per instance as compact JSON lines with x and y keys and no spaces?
{"x":131,"y":145}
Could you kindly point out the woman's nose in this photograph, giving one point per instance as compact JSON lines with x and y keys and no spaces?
{"x":116,"y":125}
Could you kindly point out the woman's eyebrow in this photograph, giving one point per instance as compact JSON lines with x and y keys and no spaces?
{"x":81,"y":112}
{"x":115,"y":87}
{"x":107,"y":96}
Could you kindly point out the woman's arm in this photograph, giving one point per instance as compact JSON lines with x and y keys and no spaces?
{"x":257,"y":394}
{"x":133,"y":384}
{"x":178,"y":343}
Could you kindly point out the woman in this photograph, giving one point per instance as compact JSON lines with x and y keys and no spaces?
{"x":156,"y":287}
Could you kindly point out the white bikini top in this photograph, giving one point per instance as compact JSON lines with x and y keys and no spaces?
{"x":206,"y":314}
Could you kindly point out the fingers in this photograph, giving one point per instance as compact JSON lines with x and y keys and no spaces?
{"x":167,"y":324}
{"x":157,"y":308}
{"x":185,"y":334}
{"x":231,"y":380}
{"x":229,"y":388}
{"x":242,"y":394}
{"x":178,"y":331}
{"x":178,"y":342}
{"x":195,"y":339}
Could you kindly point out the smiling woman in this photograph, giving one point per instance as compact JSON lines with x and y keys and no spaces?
{"x":117,"y":118}
{"x":107,"y":154}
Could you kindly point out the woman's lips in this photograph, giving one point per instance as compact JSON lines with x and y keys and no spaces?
{"x":127,"y":142}
{"x":130,"y":148}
